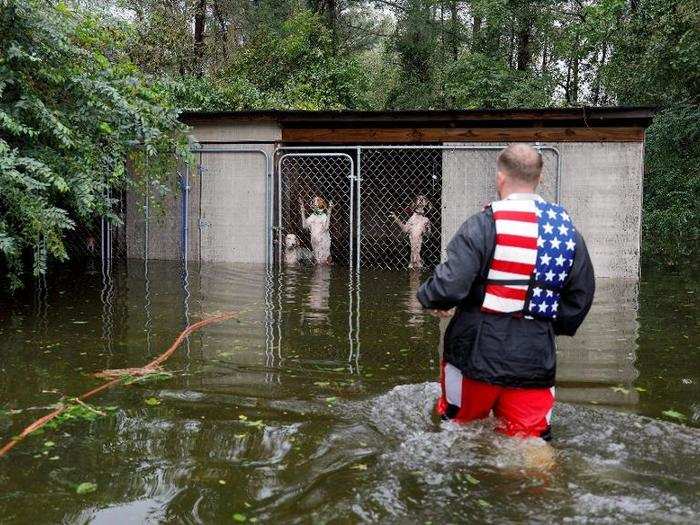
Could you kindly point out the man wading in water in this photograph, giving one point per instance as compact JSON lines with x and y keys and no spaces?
{"x":517,"y":274}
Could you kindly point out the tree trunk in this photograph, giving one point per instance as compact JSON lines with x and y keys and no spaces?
{"x":574,"y":78}
{"x":524,"y":49}
{"x":511,"y":43}
{"x":476,"y":31}
{"x":596,"y":86}
{"x":454,"y":13}
{"x":200,"y":16}
{"x":544,"y":56}
{"x":222,"y":27}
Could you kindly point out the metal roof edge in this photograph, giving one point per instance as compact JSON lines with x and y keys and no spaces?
{"x":585,"y":116}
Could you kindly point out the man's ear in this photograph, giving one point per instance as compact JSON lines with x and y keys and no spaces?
{"x":500,"y":179}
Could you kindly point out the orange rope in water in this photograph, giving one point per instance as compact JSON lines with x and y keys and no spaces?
{"x":153,"y":365}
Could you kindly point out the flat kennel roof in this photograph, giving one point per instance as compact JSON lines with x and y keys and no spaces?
{"x":585,"y":124}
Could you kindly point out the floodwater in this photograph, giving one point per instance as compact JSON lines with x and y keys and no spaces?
{"x":316,"y":406}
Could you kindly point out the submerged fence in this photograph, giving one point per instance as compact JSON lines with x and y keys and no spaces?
{"x":395,"y":204}
{"x":393,"y":207}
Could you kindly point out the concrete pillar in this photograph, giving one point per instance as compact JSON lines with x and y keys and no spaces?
{"x":469,"y":183}
{"x":601,"y":187}
{"x":602,"y":190}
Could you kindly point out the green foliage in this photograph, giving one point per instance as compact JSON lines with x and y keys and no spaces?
{"x":78,"y":412}
{"x":150,"y":377}
{"x":477,"y":81}
{"x":656,"y":60}
{"x":672,"y":187}
{"x":213,"y":94}
{"x":85,"y":487}
{"x":73,"y":111}
{"x":75,"y":101}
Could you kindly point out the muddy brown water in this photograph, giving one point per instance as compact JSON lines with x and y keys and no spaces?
{"x":316,"y":406}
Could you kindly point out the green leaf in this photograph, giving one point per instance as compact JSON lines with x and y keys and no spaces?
{"x":483,"y":503}
{"x":675,"y":415}
{"x":86,"y":488}
{"x":152,"y":401}
{"x":240,"y":518}
{"x":471,"y":479}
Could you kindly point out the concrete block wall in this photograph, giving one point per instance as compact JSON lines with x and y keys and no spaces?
{"x":601,"y":187}
{"x":602,"y":190}
{"x":227,"y":204}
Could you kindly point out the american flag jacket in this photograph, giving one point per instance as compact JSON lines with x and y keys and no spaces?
{"x":534,"y":252}
{"x":515,"y":287}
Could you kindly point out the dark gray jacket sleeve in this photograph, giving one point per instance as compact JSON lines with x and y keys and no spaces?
{"x":467,"y":252}
{"x":577,"y":295}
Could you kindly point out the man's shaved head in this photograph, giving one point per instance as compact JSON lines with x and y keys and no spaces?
{"x":521,"y":163}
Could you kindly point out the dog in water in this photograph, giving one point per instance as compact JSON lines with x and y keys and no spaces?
{"x":294,"y":252}
{"x":318,"y":224}
{"x":417,"y":227}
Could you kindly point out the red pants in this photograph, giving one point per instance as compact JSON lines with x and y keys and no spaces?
{"x":522,"y":412}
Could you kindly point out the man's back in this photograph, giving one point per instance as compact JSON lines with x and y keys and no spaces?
{"x":514,"y":290}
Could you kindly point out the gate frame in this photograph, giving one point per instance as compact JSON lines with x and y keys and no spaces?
{"x":351,"y":177}
{"x":540,"y":147}
{"x":269,"y":195}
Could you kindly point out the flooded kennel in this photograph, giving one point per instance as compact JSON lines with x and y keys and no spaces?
{"x":240,"y":198}
{"x":372,"y":193}
{"x":377,"y":193}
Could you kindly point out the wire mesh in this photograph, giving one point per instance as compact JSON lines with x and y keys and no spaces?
{"x":397,"y":217}
{"x":306,"y":176}
{"x":401,"y":195}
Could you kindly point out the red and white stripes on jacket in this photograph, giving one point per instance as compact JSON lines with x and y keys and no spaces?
{"x":515,"y":255}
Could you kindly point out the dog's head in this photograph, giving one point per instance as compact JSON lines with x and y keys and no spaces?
{"x":422,"y":204}
{"x":291,"y":241}
{"x":319,"y":204}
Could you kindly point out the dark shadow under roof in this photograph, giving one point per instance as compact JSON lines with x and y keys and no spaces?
{"x":632,"y":116}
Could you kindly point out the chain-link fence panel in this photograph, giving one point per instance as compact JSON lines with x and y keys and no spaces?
{"x":401,"y":196}
{"x":316,"y":207}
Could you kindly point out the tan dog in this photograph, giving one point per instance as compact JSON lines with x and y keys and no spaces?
{"x":318,"y":224}
{"x":416,"y":227}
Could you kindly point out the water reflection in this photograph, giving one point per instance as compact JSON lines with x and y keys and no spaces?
{"x":319,"y":295}
{"x":597,"y":365}
{"x":279,"y":416}
{"x":321,"y":308}
{"x":412,"y":304}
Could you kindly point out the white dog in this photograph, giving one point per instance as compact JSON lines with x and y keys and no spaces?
{"x":294,"y":252}
{"x":318,"y":223}
{"x":416,"y":227}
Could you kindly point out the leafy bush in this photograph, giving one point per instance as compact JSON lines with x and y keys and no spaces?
{"x":73,"y":111}
{"x":672,"y":187}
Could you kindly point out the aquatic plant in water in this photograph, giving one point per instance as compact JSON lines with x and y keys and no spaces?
{"x":79,"y":411}
{"x":148,"y":377}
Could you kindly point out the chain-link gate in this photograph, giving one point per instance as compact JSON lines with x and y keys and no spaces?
{"x":315,"y":207}
{"x":393,"y":205}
